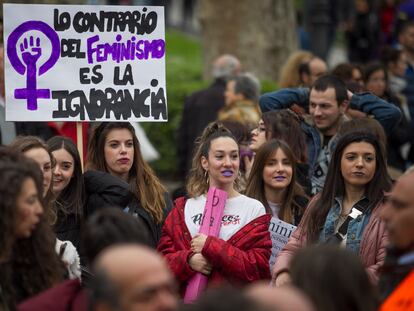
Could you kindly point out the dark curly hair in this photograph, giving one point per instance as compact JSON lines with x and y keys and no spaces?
{"x":14,"y":170}
{"x":30,"y":265}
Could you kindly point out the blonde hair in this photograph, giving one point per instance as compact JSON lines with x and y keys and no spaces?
{"x":289,"y":74}
{"x":198,"y":178}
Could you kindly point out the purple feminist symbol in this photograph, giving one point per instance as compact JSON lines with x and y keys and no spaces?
{"x":31,"y":51}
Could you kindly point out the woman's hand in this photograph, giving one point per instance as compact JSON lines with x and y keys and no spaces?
{"x":283,"y":279}
{"x":199,"y":263}
{"x":197,"y":243}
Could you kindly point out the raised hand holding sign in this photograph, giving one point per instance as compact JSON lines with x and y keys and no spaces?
{"x":210,"y":225}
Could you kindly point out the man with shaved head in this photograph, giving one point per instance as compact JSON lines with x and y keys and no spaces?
{"x":399,"y":218}
{"x":286,"y":298}
{"x":132,"y":277}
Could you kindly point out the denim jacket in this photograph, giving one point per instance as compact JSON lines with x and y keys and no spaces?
{"x":387,"y":114}
{"x":355,"y":227}
{"x":408,"y":91}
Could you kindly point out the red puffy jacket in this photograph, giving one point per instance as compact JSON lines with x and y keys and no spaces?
{"x":242,"y":259}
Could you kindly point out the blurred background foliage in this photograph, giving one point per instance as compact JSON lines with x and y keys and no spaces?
{"x":184,"y":64}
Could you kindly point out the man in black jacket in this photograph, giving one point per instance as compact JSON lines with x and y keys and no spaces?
{"x":201,"y":108}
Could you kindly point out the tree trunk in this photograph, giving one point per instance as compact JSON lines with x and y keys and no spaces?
{"x":261,"y":33}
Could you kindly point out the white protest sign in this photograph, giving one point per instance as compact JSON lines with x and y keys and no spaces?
{"x":280,"y":233}
{"x":84,"y":63}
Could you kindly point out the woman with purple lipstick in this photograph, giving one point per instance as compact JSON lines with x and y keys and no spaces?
{"x":240,"y":254}
{"x":272,"y":181}
{"x":346,"y":212}
{"x":284,"y":125}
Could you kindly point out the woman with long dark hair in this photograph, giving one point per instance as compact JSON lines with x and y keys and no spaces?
{"x":272,"y":181}
{"x":347,"y":210}
{"x":34,"y":148}
{"x":118,"y":176}
{"x":68,"y":188}
{"x":28,"y":262}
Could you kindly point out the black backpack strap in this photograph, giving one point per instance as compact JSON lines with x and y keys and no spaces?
{"x":359,"y":209}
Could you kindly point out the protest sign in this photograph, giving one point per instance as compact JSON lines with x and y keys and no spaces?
{"x":210,"y":225}
{"x":84,"y":63}
{"x":280,"y":233}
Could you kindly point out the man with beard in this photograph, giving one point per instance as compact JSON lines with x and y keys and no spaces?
{"x":327,"y":102}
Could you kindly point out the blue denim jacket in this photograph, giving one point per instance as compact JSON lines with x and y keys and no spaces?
{"x":387,"y":114}
{"x":355,"y":227}
{"x":409,"y":89}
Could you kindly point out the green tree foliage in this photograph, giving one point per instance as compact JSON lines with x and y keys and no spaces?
{"x":184,"y":76}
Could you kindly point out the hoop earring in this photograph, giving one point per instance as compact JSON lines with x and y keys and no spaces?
{"x":206,"y":177}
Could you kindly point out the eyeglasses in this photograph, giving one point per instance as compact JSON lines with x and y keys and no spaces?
{"x":260,"y":128}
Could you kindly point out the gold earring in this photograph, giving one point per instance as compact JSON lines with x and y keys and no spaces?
{"x":206,"y":177}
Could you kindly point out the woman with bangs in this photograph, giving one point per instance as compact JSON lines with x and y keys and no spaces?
{"x":272,"y":181}
{"x":118,"y":176}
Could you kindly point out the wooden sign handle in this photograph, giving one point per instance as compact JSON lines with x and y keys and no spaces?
{"x":79,"y":140}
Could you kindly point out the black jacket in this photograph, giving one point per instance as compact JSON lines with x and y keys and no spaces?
{"x":199,"y":110}
{"x":392,"y":273}
{"x":68,"y":227}
{"x":105,"y":190}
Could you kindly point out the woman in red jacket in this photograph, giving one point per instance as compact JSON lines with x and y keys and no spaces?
{"x":240,"y":254}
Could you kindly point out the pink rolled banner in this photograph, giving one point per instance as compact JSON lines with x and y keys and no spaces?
{"x":210,"y":225}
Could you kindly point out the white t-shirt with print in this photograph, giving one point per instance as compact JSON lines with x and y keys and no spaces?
{"x":238,"y":212}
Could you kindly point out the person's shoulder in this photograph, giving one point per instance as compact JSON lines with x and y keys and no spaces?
{"x":248,"y":202}
{"x":70,"y":292}
{"x":301,"y":201}
{"x":214,"y":90}
{"x":200,"y":94}
{"x":381,"y":204}
{"x":99,"y":177}
{"x":196,"y":201}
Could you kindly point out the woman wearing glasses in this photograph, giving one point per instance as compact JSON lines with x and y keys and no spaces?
{"x":283,"y":125}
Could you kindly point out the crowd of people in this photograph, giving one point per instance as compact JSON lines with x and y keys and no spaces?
{"x":330,"y":154}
